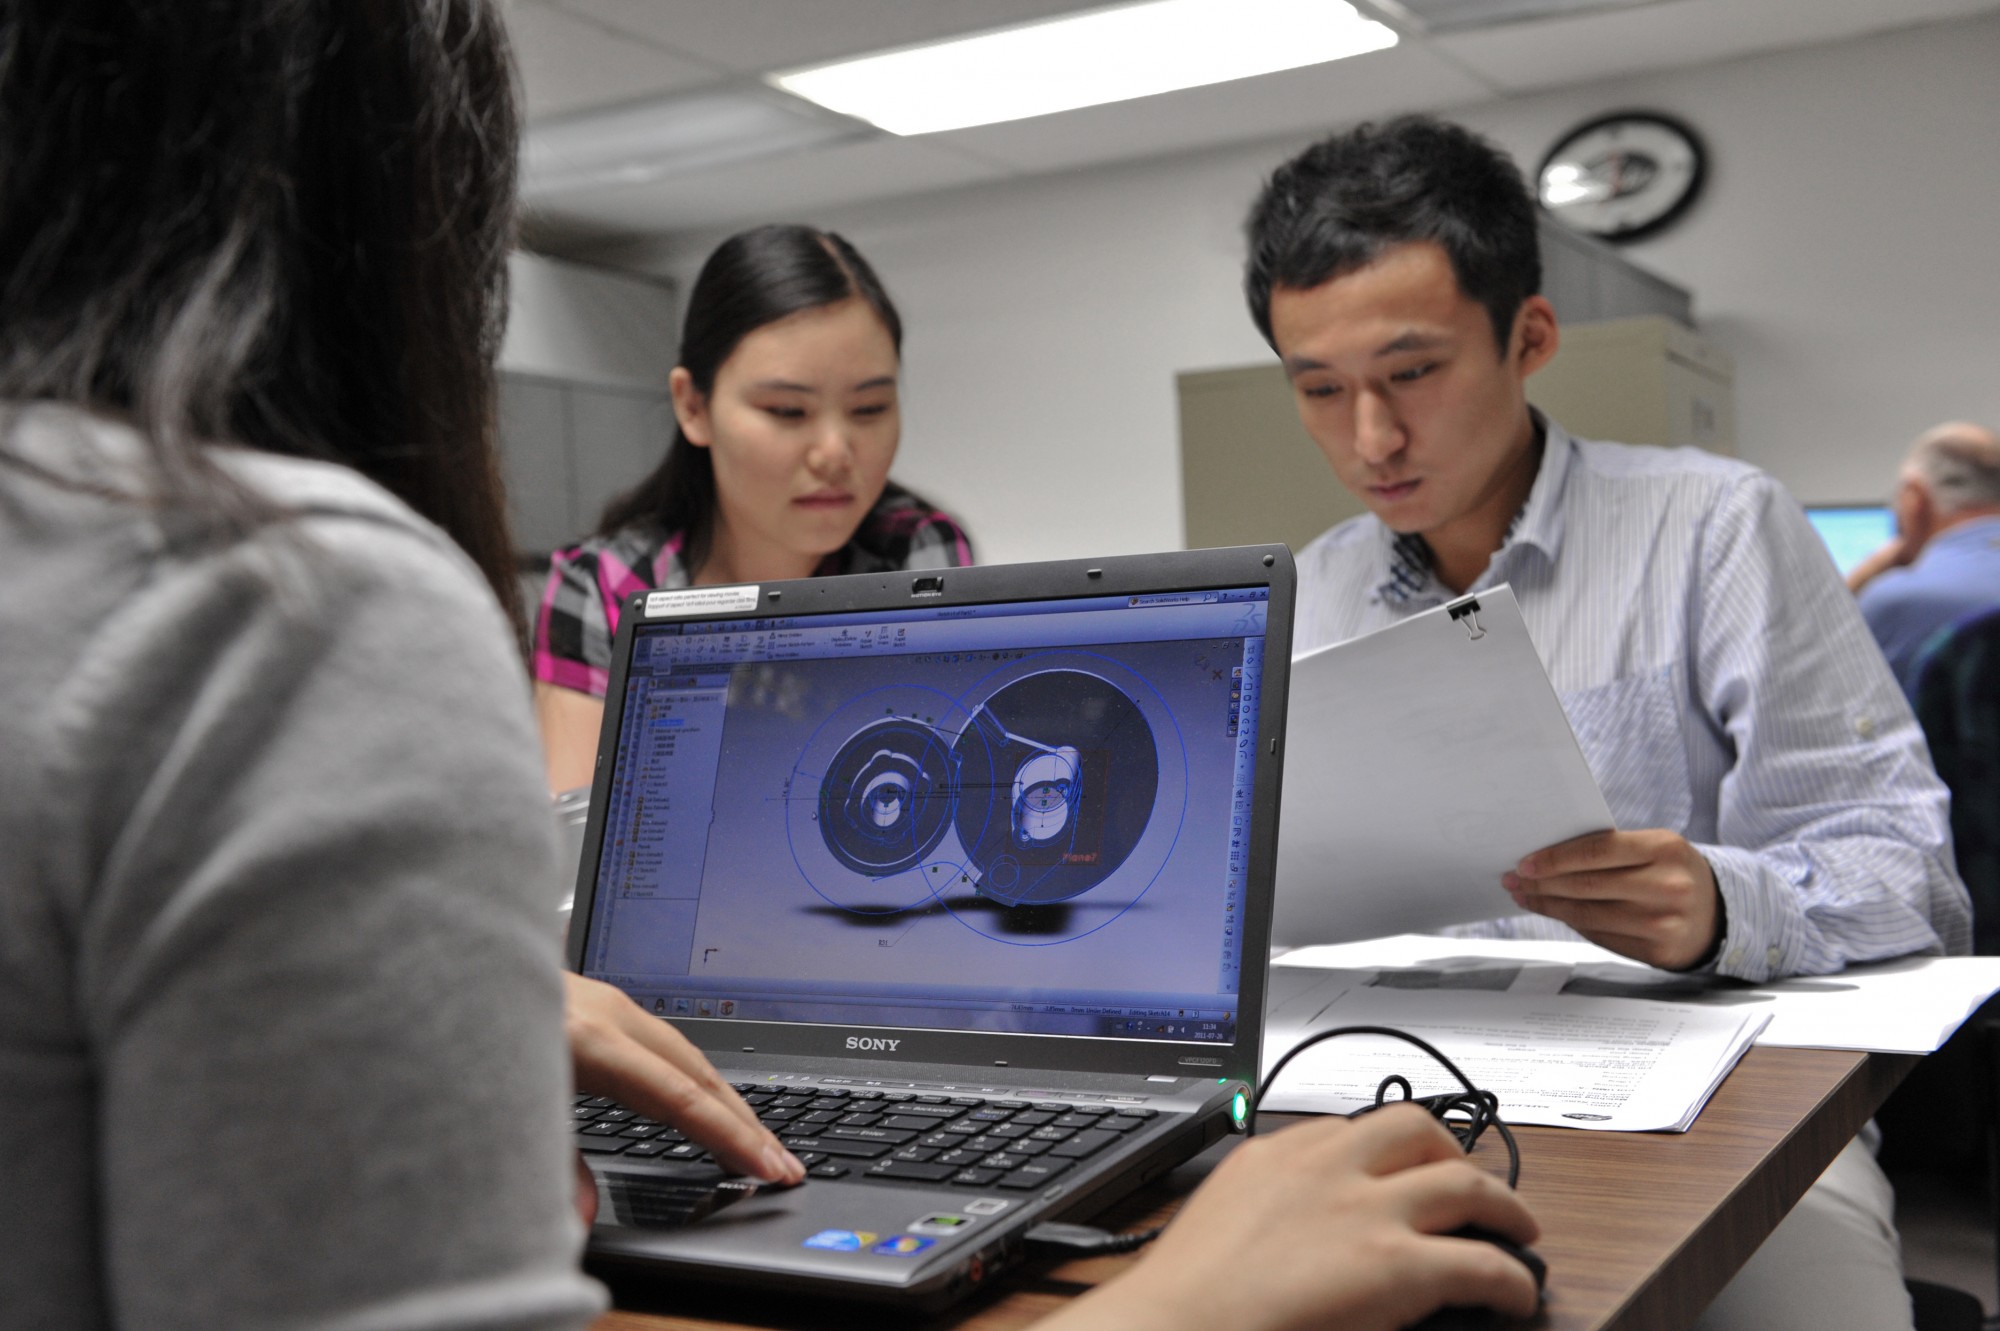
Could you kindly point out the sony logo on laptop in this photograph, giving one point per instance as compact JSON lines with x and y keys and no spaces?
{"x":870,"y":1042}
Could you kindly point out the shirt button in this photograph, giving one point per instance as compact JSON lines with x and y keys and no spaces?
{"x":1771,"y":956}
{"x":1736,"y":956}
{"x":1864,"y":726}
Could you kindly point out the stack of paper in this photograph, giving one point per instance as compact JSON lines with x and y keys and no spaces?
{"x":1623,"y":1064}
{"x":1908,"y":1005}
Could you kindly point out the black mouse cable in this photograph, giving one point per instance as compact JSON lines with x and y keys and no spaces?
{"x":1467,"y":1113}
{"x":1479,"y":1110}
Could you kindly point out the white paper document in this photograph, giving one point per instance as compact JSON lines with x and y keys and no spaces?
{"x":1910,"y":1005}
{"x":1422,"y":762}
{"x":1611,"y":1063}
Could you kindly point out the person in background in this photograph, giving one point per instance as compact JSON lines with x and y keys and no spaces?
{"x":786,"y":403}
{"x":1944,"y":563}
{"x":281,"y":1024}
{"x":1774,"y":812}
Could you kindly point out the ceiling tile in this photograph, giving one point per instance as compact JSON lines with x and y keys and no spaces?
{"x":578,"y":54}
{"x":1554,"y":52}
{"x":1446,"y":15}
{"x":763,"y":36}
{"x":1405,"y":78}
{"x":569,"y":64}
{"x":787,"y":189}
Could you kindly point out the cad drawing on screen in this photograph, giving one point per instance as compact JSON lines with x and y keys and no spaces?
{"x":886,"y":801}
{"x":1056,"y":777}
{"x":1032,"y":789}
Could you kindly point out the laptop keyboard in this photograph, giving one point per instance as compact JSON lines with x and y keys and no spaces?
{"x":947,"y":1141}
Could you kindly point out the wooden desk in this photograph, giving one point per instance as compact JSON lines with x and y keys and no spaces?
{"x":1640,"y":1230}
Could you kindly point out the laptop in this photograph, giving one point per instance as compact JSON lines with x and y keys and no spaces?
{"x":962,"y":878}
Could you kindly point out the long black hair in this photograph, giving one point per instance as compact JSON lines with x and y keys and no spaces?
{"x":754,"y":278}
{"x":276,"y":223}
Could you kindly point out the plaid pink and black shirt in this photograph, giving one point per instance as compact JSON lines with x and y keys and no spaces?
{"x":589,"y":581}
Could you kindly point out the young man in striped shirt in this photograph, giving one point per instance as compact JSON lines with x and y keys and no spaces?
{"x":1776,"y":813}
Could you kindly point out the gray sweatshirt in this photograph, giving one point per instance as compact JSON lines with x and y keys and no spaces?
{"x":280,"y":1010}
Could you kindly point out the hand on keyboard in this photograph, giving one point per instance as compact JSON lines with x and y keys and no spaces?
{"x":622,"y":1053}
{"x":960,"y":1141}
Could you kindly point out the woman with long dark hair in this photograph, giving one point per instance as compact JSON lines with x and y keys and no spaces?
{"x":281,"y":1011}
{"x":785,"y":400}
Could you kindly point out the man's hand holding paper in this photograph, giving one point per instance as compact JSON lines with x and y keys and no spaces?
{"x":1648,"y":895}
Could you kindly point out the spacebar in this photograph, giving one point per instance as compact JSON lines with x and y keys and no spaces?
{"x":857,"y":1150}
{"x":911,"y":1169}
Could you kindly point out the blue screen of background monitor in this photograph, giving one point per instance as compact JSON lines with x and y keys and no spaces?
{"x":1852,"y":532}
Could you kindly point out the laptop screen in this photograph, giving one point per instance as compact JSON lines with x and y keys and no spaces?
{"x":1022,"y":817}
{"x":1852,"y":532}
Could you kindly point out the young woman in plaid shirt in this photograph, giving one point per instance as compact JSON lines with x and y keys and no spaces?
{"x":785,"y":397}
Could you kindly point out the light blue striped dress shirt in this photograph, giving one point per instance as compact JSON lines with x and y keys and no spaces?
{"x":1722,"y":685}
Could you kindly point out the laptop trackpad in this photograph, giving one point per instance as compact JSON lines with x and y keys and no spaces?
{"x":657,"y":1201}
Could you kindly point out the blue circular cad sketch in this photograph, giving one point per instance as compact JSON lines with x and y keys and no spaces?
{"x":886,"y":800}
{"x":1057,"y":773}
{"x":1048,"y":786}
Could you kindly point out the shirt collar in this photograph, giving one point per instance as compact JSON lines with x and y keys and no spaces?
{"x":1410,"y":566}
{"x":1540,"y":521}
{"x":1972,"y":535}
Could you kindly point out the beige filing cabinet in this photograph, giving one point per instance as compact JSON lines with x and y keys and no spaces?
{"x":1646,"y":380}
{"x":1251,"y":473}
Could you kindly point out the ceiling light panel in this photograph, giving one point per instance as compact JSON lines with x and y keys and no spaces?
{"x":1109,"y":55}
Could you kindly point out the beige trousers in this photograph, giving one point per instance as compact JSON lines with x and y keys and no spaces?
{"x":1834,"y":1264}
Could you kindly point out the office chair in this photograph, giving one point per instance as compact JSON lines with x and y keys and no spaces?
{"x":1942,"y":1308}
{"x":1954,"y":1096}
{"x":1958,"y":705}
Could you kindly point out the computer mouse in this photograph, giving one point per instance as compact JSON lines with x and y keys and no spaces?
{"x":1484,"y":1319}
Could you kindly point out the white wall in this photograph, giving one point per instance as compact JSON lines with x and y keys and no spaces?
{"x":1847,"y":249}
{"x":586,"y":325}
{"x":1847,"y":253}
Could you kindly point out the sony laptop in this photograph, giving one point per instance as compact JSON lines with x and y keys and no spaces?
{"x":962,"y":878}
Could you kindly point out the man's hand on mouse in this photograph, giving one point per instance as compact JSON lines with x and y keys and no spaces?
{"x":1648,"y":895}
{"x":1334,"y":1222}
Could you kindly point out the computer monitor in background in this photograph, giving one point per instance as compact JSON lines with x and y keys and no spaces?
{"x":1852,"y":532}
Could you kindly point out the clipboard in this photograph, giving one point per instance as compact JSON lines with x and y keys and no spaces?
{"x":1423,"y":761}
